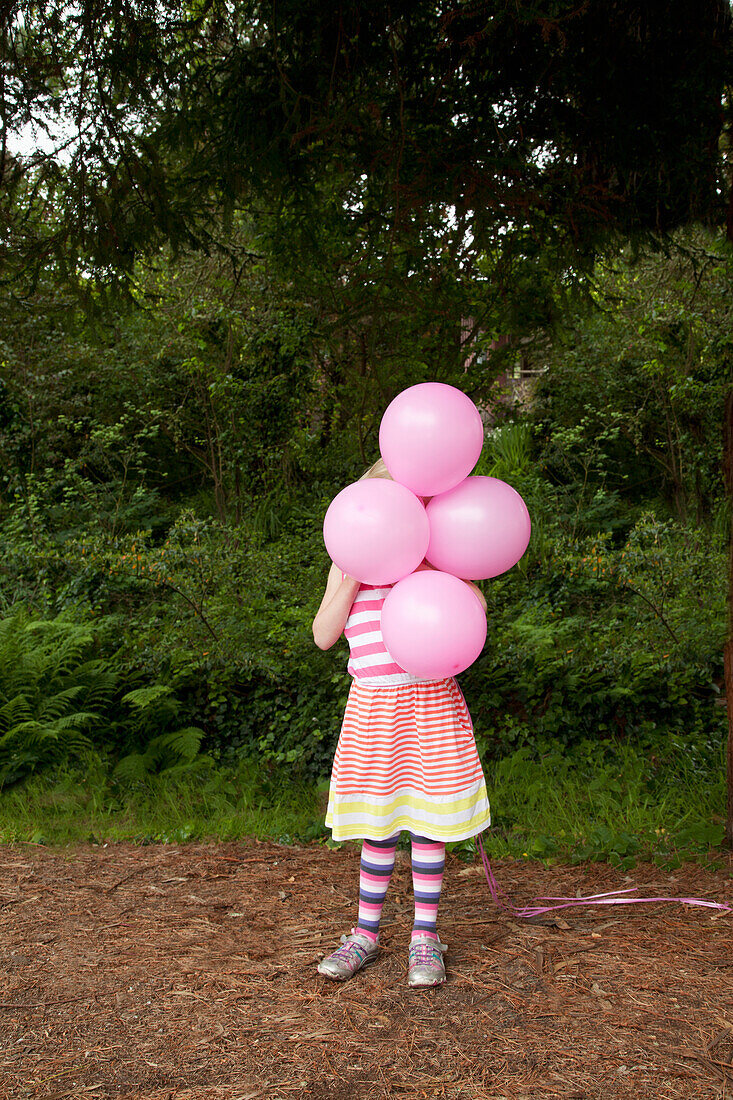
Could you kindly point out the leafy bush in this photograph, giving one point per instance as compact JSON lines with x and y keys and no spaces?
{"x":633,"y":400}
{"x":602,"y":640}
{"x":170,"y":484}
{"x":589,"y":636}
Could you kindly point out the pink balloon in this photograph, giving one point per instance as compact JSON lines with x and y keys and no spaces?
{"x":479,"y":529}
{"x":433,"y":624}
{"x":376,"y":531}
{"x":430,"y":437}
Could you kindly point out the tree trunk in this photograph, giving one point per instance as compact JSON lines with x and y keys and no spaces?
{"x":728,"y":664}
{"x":728,"y":650}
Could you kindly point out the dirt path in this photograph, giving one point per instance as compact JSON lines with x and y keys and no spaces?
{"x":189,"y":973}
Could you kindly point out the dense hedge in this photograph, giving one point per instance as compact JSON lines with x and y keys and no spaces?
{"x":163,"y":490}
{"x":586,"y":639}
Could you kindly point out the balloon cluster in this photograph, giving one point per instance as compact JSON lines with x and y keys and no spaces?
{"x":380,"y":531}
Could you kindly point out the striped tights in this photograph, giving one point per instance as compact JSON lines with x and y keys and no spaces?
{"x":377,"y":864}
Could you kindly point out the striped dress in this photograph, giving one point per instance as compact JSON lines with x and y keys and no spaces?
{"x":406,"y":756}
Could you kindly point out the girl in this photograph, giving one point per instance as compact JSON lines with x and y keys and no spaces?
{"x":406,"y":759}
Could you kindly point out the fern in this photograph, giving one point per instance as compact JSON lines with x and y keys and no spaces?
{"x":183,"y":744}
{"x":14,"y":711}
{"x":132,"y":768}
{"x":51,"y":692}
{"x":56,"y":705}
{"x":172,"y":751}
{"x":143,"y":697}
{"x":169,"y":751}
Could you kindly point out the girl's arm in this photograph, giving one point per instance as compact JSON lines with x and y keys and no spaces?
{"x":335,"y":606}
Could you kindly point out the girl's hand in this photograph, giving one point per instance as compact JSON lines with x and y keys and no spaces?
{"x":479,"y":594}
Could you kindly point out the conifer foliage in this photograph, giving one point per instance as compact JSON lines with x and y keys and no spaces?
{"x":567,"y":122}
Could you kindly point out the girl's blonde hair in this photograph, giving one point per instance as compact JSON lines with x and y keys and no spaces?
{"x":378,"y":469}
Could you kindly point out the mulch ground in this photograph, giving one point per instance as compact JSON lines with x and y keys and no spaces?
{"x":188,"y":973}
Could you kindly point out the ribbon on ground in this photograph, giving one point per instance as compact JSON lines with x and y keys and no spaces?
{"x":612,"y":897}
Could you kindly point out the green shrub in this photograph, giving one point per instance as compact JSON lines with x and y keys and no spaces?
{"x":601,"y":630}
{"x":604,"y":641}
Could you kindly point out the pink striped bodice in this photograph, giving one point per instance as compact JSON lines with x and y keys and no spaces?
{"x":370,"y":662}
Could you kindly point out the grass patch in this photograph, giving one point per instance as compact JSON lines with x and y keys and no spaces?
{"x":662,"y":800}
{"x":609,"y":801}
{"x":199,"y":802}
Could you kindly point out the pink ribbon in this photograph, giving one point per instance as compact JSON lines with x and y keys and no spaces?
{"x":612,"y":897}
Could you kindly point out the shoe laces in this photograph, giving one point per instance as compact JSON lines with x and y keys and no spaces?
{"x":425,"y":954}
{"x":348,"y":950}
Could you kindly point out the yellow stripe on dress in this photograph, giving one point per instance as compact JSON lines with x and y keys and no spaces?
{"x":377,"y":819}
{"x":407,"y":823}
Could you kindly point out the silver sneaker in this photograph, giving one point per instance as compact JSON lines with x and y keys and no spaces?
{"x":357,"y":951}
{"x":425,"y":961}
